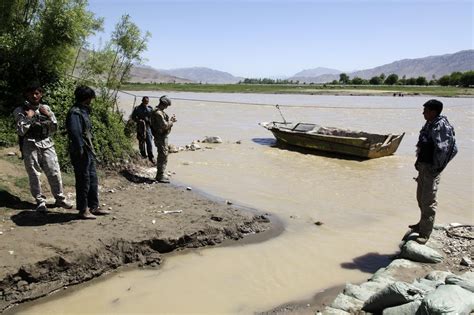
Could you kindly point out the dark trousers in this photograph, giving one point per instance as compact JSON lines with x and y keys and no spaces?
{"x":147,"y":144}
{"x":87,"y":191}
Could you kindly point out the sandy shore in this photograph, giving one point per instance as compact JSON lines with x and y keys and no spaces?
{"x":41,"y":254}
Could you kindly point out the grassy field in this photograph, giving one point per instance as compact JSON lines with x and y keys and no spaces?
{"x":315,"y":89}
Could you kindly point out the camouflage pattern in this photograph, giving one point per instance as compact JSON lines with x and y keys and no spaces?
{"x":161,"y":144}
{"x":161,"y":127}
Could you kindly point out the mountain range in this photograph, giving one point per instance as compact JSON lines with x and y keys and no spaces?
{"x":428,"y":67}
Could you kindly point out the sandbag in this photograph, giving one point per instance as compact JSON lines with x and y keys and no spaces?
{"x":406,"y":309}
{"x":394,"y":294}
{"x":421,"y":253}
{"x":447,"y":299}
{"x":438,"y":275}
{"x":346,"y":303}
{"x":461,"y":281}
{"x":390,"y":273}
{"x":364,"y":291}
{"x":469,"y":275}
{"x":426,"y":285}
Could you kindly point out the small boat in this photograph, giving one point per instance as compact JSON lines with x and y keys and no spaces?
{"x":355,"y":143}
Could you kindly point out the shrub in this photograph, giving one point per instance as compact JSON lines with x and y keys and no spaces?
{"x":8,"y":135}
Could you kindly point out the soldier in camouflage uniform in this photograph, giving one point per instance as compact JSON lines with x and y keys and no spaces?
{"x":161,"y":125}
{"x":35,"y":124}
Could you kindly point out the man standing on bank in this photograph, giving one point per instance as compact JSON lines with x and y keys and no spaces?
{"x":161,"y":125}
{"x":81,"y":150}
{"x":435,"y":148}
{"x":35,"y":124}
{"x":141,"y":116}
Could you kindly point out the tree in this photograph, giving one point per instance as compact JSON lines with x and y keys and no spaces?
{"x":382,"y":77}
{"x":444,"y":80}
{"x":411,"y":81}
{"x":391,"y":79}
{"x":421,"y":81}
{"x":403,"y":80}
{"x":467,"y":79}
{"x":343,"y":78}
{"x":375,"y":80}
{"x":38,"y":40}
{"x":110,"y":66}
{"x":357,"y":81}
{"x":455,"y":78}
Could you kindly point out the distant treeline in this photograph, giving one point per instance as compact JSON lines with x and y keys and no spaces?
{"x":267,"y":81}
{"x":463,"y":79}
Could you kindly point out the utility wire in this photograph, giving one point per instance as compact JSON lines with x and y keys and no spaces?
{"x":282,"y":105}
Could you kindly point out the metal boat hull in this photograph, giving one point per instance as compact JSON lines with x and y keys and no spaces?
{"x":364,"y":147}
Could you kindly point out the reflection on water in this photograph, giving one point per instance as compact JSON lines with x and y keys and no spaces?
{"x":265,"y":141}
{"x":365,"y":206}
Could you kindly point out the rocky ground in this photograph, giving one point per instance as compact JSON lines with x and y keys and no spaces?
{"x":41,"y":253}
{"x":453,"y":243}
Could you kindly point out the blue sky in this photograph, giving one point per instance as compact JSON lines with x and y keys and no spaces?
{"x":270,"y":38}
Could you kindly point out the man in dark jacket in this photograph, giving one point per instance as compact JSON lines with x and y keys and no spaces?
{"x":141,"y":116}
{"x":81,"y":150}
{"x":435,"y":148}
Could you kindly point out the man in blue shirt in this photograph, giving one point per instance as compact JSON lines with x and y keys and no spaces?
{"x":81,"y":150}
{"x":141,"y":116}
{"x":435,"y":148}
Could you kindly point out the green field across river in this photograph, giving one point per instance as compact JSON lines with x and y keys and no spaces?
{"x":311,"y":89}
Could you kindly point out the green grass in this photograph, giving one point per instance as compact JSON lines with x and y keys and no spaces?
{"x":315,"y":89}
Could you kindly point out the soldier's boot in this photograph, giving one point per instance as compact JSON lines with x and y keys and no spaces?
{"x":63,"y":204}
{"x":86,"y":215}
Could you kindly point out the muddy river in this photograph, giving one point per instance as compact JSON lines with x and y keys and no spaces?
{"x":365,"y":206}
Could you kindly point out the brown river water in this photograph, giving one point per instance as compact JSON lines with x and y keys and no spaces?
{"x":365,"y":205}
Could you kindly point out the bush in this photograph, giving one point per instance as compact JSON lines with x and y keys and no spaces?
{"x":8,"y":135}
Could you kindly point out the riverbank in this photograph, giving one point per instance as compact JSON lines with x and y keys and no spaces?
{"x":42,"y":254}
{"x":452,"y":242}
{"x":306,"y":89}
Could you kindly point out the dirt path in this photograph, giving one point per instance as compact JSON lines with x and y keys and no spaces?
{"x":43,"y":253}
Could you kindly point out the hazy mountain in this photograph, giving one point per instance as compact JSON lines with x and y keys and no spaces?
{"x":311,"y":73}
{"x":427,"y":67}
{"x":203,"y":75}
{"x":147,"y":74}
